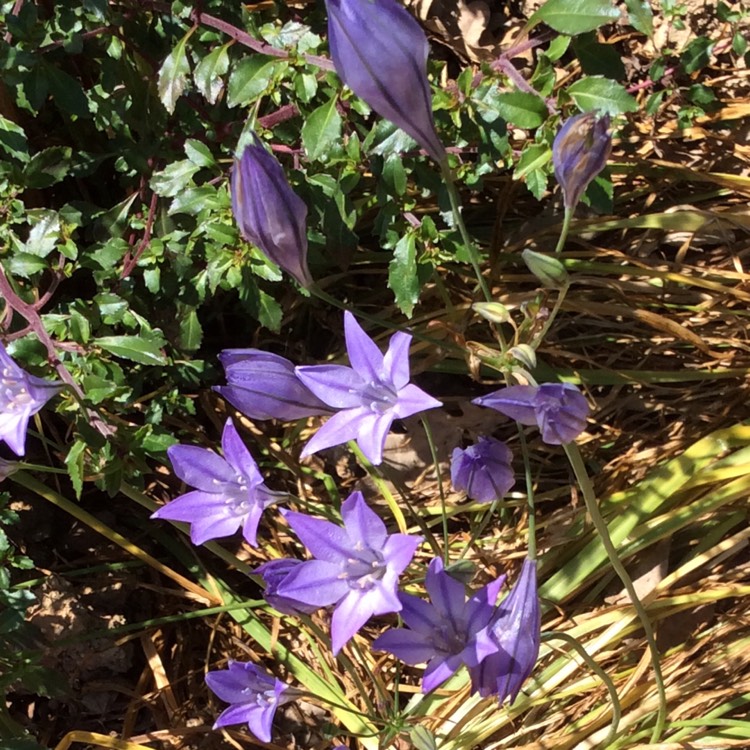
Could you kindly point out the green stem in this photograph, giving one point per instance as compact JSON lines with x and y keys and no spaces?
{"x":600,"y":673}
{"x":579,"y":469}
{"x":471,"y":248}
{"x":444,"y":515}
{"x":551,"y":319}
{"x":479,"y":528}
{"x":529,"y":493}
{"x":564,"y":232}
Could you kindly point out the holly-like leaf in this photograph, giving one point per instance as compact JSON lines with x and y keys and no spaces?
{"x":321,"y":130}
{"x":173,"y":74}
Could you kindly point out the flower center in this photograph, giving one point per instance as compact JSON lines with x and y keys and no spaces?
{"x":13,"y":394}
{"x":451,"y":637}
{"x":365,"y":570}
{"x":379,"y":397}
{"x":239,"y":501}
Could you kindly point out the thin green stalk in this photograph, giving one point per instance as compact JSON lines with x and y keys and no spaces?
{"x":433,"y":454}
{"x":471,"y":248}
{"x":600,"y":673}
{"x":529,"y":493}
{"x":564,"y":231}
{"x":476,"y":532}
{"x":539,"y":338}
{"x":579,"y":469}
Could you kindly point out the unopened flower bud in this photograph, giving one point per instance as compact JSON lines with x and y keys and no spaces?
{"x":380,"y":52}
{"x":579,"y":153}
{"x":550,"y":271}
{"x":268,"y":212}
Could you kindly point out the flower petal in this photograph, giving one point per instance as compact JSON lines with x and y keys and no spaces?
{"x":238,"y":456}
{"x":364,"y":356}
{"x":314,"y":582}
{"x":325,"y":540}
{"x":339,"y":429}
{"x":202,"y":468}
{"x":363,"y":526}
{"x":412,"y":400}
{"x":396,"y":360}
{"x":408,"y":645}
{"x":371,"y":434}
{"x":352,"y":612}
{"x":336,"y":385}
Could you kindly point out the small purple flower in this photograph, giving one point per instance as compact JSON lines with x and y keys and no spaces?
{"x":355,"y":567}
{"x":254,"y":696}
{"x":369,"y":395}
{"x":21,"y":396}
{"x":230,"y":492}
{"x":380,"y":52}
{"x":579,"y":152}
{"x":269,"y":213}
{"x":483,"y":470}
{"x":446,"y":633}
{"x":274,"y":573}
{"x":558,"y":409}
{"x":515,"y":629}
{"x":264,"y":386}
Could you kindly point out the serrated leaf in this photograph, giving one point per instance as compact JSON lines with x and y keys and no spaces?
{"x":321,"y":130}
{"x":208,"y":73}
{"x":533,"y":157}
{"x":173,"y":179}
{"x":402,"y":274}
{"x":250,"y":78}
{"x":135,"y":348}
{"x":13,"y":140}
{"x":26,"y":264}
{"x":269,"y":312}
{"x":522,"y":109}
{"x":575,"y":16}
{"x":194,"y":200}
{"x":47,"y":167}
{"x":602,"y":95}
{"x":74,"y":463}
{"x":45,"y":232}
{"x":199,"y":153}
{"x":173,"y":74}
{"x":191,"y":332}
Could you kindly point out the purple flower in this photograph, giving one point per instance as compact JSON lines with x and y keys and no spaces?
{"x":446,"y":633}
{"x":579,"y":153}
{"x":274,"y":573}
{"x":369,"y":395}
{"x":230,"y":492}
{"x":558,"y":409}
{"x":355,"y":567}
{"x":380,"y":53}
{"x":21,"y":396}
{"x":269,"y":213}
{"x":515,"y":629}
{"x":265,"y":386}
{"x":483,"y":470}
{"x":254,"y":696}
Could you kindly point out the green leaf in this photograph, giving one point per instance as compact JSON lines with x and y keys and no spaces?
{"x":13,"y":140}
{"x":173,"y":179}
{"x":191,"y":332}
{"x":533,"y":157}
{"x":196,"y":199}
{"x":135,"y":348}
{"x":173,"y":74}
{"x":45,"y":232}
{"x":575,"y":16}
{"x":522,"y":109}
{"x":47,"y":167}
{"x":199,"y":153}
{"x":402,"y":274}
{"x":321,"y":130}
{"x":641,"y":16}
{"x":697,"y":54}
{"x":208,"y":72}
{"x":74,"y":463}
{"x":598,"y":59}
{"x":603,"y":95}
{"x":250,"y":78}
{"x":26,"y":264}
{"x":269,"y":312}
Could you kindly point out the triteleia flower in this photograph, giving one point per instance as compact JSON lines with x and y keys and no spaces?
{"x":579,"y":152}
{"x":355,"y":567}
{"x":254,"y":696}
{"x":515,"y":629}
{"x":380,"y":53}
{"x":369,"y":395}
{"x":483,"y":470}
{"x":447,"y":633}
{"x":276,"y":572}
{"x":558,"y":409}
{"x":230,"y":492}
{"x":264,"y":386}
{"x":21,"y":396}
{"x":269,"y":213}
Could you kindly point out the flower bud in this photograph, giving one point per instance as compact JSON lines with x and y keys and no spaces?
{"x":274,"y":573}
{"x":495,"y":312}
{"x":548,"y":270}
{"x":483,"y":470}
{"x":268,"y":212}
{"x":263,"y":386}
{"x":380,"y":52}
{"x":579,"y":153}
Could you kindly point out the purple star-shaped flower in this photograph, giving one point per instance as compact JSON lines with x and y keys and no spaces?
{"x":515,"y":629}
{"x":254,"y":696}
{"x":230,"y":492}
{"x":369,"y":395}
{"x":21,"y":396}
{"x":447,"y":633}
{"x":355,"y":567}
{"x":558,"y":409}
{"x":483,"y":470}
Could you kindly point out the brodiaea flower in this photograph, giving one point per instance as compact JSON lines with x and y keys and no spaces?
{"x":254,"y":696}
{"x":483,"y":470}
{"x":515,"y":629}
{"x":21,"y":396}
{"x":369,"y":395}
{"x":579,"y":152}
{"x":269,"y":213}
{"x":230,"y":492}
{"x":274,"y":573}
{"x":446,"y":633}
{"x":380,"y":53}
{"x":264,"y":386}
{"x":558,"y":409}
{"x":355,"y":567}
